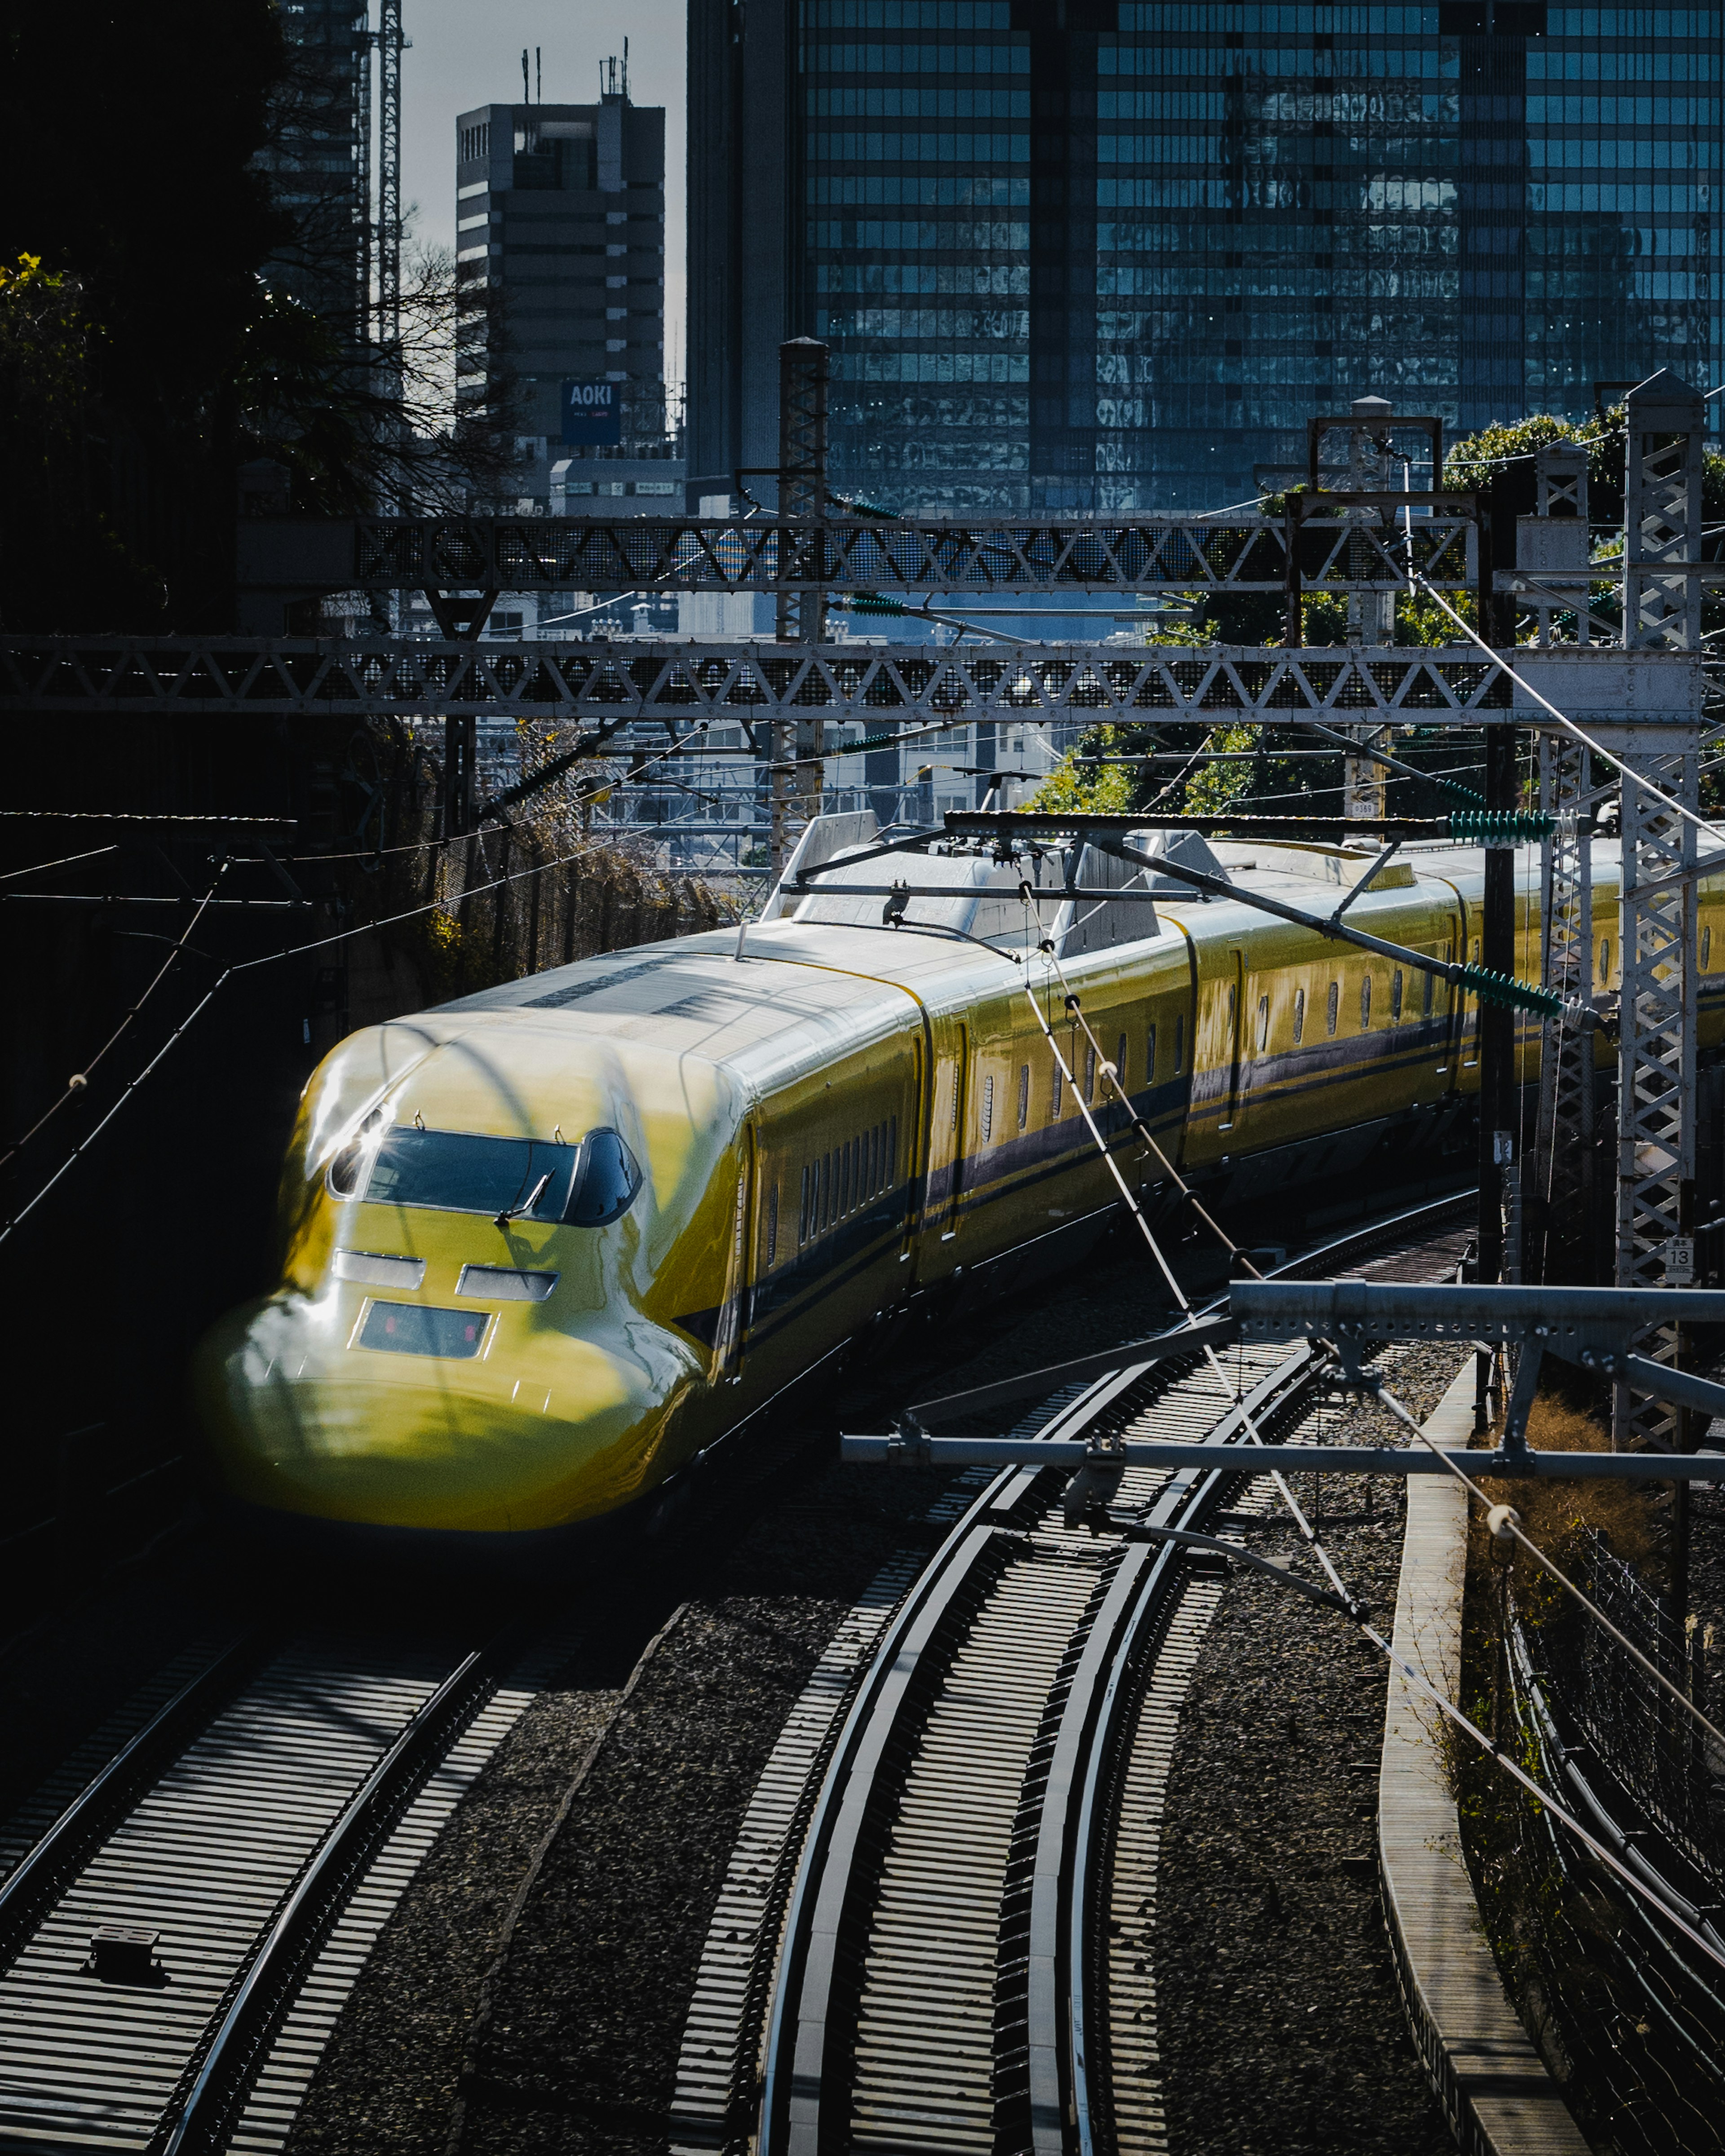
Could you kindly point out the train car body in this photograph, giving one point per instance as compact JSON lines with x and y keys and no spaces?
{"x":546,"y":1246}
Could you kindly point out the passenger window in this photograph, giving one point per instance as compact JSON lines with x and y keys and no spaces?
{"x":1365,"y":1001}
{"x":1299,"y":1016}
{"x":1605,"y":962}
{"x":1335,"y":1006}
{"x":987,"y":1108}
{"x":1707,"y":946}
{"x":1263,"y":1024}
{"x":1090,"y":1074}
{"x":1150,"y":1057}
{"x":1395,"y":1000}
{"x":1024,"y":1094}
{"x":1120,"y":1054}
{"x":606,"y":1182}
{"x":772,"y":1224}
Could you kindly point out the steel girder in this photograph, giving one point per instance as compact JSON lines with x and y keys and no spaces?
{"x":844,"y":554}
{"x":681,"y":683}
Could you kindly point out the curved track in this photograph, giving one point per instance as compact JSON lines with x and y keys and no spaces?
{"x":960,"y":1964}
{"x":253,"y":1836}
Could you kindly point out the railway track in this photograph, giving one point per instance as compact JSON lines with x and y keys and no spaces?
{"x":966,"y":1875}
{"x":184,"y":1911}
{"x":177,"y":1936}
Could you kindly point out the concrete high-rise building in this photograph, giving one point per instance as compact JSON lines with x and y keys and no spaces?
{"x":318,"y":157}
{"x":1092,"y":254}
{"x":560,"y":280}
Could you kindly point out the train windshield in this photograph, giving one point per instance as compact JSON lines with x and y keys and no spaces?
{"x":453,"y":1172}
{"x":585,"y":1185}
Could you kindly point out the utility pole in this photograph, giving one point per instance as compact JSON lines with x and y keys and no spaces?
{"x":799,"y":745}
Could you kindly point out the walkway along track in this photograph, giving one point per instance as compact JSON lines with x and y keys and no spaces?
{"x":967,"y":1873}
{"x":175,"y":1947}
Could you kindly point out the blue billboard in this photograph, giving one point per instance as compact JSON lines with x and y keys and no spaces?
{"x":592,"y":414}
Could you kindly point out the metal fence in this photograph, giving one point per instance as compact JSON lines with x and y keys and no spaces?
{"x":1650,"y":1746}
{"x":1628,"y":2012}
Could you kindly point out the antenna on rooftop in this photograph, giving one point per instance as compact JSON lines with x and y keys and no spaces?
{"x":526,"y":93}
{"x":625,"y":70}
{"x":538,"y":79}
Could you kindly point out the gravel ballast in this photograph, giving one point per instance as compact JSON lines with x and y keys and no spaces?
{"x":530,"y":1989}
{"x":1282,"y":2030}
{"x":584,"y":2021}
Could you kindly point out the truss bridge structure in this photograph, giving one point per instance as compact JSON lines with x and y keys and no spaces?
{"x":371,"y":678}
{"x":1354,"y":549}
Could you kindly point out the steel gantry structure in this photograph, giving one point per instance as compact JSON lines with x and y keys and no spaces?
{"x":1618,"y":650}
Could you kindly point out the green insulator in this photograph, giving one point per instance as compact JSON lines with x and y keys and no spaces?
{"x":1499,"y":826}
{"x":1505,"y":991}
{"x":875,"y":603}
{"x":859,"y":505}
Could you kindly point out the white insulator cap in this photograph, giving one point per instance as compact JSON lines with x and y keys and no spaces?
{"x":1503,"y":1520}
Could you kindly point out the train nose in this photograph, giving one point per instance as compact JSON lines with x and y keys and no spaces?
{"x":351,"y":1409}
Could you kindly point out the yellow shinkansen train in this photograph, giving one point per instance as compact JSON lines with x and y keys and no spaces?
{"x":546,"y":1246}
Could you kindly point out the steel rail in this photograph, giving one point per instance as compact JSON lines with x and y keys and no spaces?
{"x":198,"y":2118}
{"x":1083,"y":1861}
{"x":791,"y":2085}
{"x":249,"y":1815}
{"x":807,"y":2065}
{"x":41,"y":1872}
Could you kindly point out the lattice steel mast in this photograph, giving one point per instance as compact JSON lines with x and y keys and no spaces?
{"x":1656,"y":1085}
{"x":799,"y":742}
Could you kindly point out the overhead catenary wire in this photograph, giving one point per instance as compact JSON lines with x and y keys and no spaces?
{"x":1503,"y":1519}
{"x":1182,"y":1300}
{"x":65,"y":862}
{"x":1568,"y":725}
{"x":1510,"y":1524}
{"x":80,"y":1079}
{"x":250,"y":965}
{"x":1637,"y":1886}
{"x":1350,"y":1602}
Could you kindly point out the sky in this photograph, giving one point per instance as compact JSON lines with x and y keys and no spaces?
{"x":465,"y":53}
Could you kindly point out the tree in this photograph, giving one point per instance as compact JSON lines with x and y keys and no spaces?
{"x":147,"y":210}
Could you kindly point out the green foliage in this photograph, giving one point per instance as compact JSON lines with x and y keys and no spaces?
{"x":1108,"y":789}
{"x":55,"y":545}
{"x":1475,"y":459}
{"x":1212,"y":789}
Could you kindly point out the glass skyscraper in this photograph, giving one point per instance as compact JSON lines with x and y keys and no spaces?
{"x":1072,"y":254}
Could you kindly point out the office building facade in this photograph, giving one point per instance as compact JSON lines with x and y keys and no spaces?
{"x":560,"y":277}
{"x":1092,"y":255}
{"x":318,"y":158}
